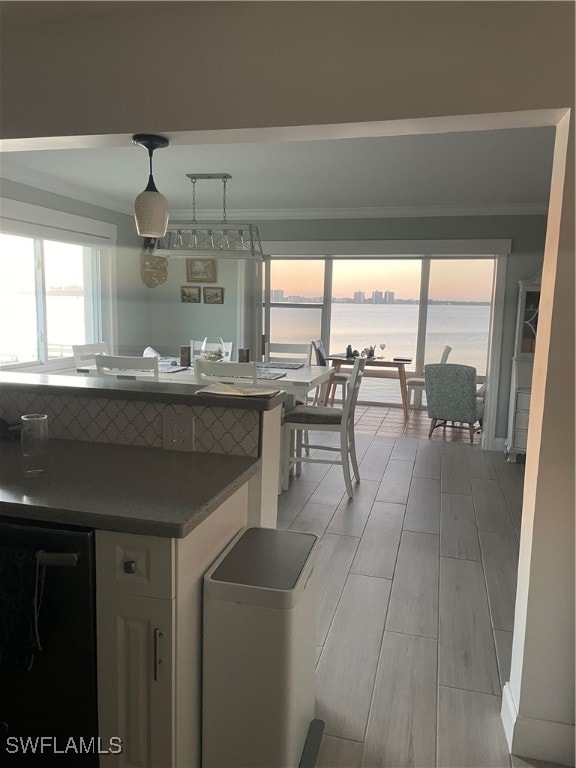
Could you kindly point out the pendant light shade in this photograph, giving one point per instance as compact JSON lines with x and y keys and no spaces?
{"x":151,"y":213}
{"x":150,"y":207}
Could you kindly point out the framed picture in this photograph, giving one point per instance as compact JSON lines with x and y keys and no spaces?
{"x":213,"y":295}
{"x":190,"y":294}
{"x":200,"y":270}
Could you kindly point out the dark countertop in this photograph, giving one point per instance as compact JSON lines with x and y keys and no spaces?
{"x":152,"y":391}
{"x":119,"y":488}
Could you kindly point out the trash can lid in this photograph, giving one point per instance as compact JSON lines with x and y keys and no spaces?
{"x":266,"y":557}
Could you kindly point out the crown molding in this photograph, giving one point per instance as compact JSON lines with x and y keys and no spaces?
{"x":390,"y":212}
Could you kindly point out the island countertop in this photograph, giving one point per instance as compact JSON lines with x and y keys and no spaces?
{"x":119,"y":488}
{"x":152,"y":391}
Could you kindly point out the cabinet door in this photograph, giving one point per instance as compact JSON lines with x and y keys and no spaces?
{"x":135,"y":679}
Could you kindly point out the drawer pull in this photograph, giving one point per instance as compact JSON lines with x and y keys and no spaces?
{"x":157,"y":659}
{"x":130,"y":566}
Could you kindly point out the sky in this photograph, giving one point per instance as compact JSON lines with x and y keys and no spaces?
{"x":450,"y":279}
{"x":63,"y":264}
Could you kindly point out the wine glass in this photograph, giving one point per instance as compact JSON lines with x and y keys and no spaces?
{"x":382,"y":347}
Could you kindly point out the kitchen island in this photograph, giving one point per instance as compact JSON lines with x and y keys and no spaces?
{"x":161,"y":517}
{"x":135,"y":413}
{"x":118,"y":488}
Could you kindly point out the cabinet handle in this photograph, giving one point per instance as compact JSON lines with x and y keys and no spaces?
{"x":157,"y":659}
{"x":129,"y":566}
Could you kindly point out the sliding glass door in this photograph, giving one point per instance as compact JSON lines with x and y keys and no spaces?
{"x":375,"y":304}
{"x":408,"y":307}
{"x":459,"y":307}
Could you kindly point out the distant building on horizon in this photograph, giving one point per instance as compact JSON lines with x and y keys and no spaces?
{"x":359,"y":297}
{"x":277,"y":295}
{"x":388,"y":297}
{"x":377,"y":297}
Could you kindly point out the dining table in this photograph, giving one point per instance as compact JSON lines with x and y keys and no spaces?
{"x":338,"y":361}
{"x":297,"y":382}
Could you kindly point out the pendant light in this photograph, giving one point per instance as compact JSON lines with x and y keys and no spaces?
{"x":150,"y":207}
{"x":220,"y":240}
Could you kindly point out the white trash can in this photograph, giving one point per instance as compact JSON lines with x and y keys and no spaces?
{"x":259,"y":650}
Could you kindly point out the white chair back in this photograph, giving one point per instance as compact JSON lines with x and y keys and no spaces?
{"x":304,"y":418}
{"x":445,"y":352}
{"x":293,"y":353}
{"x":125,"y":367}
{"x":353,"y":388}
{"x":196,"y":349}
{"x":84,"y":353}
{"x":208,"y":371}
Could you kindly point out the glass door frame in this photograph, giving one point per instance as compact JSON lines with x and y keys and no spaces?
{"x":420,"y":249}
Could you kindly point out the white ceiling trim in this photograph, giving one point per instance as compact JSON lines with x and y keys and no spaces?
{"x":401,"y":248}
{"x":58,"y":187}
{"x":36,"y":221}
{"x":402,"y":127}
{"x":390,"y":212}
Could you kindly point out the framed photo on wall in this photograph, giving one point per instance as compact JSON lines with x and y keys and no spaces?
{"x":200,"y":270}
{"x":190,"y":294}
{"x":213,"y":295}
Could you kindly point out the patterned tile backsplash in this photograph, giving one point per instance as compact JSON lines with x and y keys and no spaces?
{"x":134,"y":422}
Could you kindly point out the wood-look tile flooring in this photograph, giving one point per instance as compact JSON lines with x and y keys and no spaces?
{"x":417,"y":579}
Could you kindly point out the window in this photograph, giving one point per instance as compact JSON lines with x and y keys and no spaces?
{"x":51,"y":295}
{"x":413,"y":306}
{"x":18,"y":310}
{"x":374,"y":302}
{"x":47,"y":298}
{"x":296,"y":300}
{"x":459,"y":305}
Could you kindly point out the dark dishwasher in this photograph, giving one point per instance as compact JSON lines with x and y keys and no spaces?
{"x":48,"y":697}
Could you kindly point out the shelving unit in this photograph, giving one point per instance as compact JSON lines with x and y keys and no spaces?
{"x":522,"y":366}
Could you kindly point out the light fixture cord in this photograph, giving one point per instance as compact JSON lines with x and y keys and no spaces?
{"x":224,"y":219}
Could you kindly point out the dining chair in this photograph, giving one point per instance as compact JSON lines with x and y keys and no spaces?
{"x":211,"y":371}
{"x":126,"y":367}
{"x":288,"y":353}
{"x":84,"y":353}
{"x":417,"y":382}
{"x":196,"y":349}
{"x":339,"y":379}
{"x":451,"y":396}
{"x":319,"y":418}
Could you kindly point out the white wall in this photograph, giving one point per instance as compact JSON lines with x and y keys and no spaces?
{"x":174,"y":323}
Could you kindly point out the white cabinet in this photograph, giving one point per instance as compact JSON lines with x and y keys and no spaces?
{"x":135,"y":663}
{"x":149,"y":636}
{"x":522,"y":365}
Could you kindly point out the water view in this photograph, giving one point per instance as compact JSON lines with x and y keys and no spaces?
{"x":464,"y":327}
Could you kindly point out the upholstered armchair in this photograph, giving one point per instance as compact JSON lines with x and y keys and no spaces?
{"x":451,"y":396}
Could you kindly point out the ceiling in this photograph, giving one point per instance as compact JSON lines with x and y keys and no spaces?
{"x":484,"y":172}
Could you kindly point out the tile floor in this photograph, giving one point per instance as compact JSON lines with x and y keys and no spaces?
{"x":417,"y":579}
{"x":389,"y":422}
